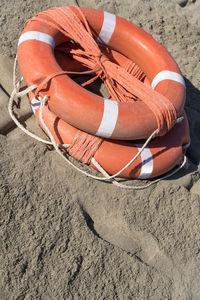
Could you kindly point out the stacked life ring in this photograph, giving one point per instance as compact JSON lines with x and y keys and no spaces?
{"x":73,"y":111}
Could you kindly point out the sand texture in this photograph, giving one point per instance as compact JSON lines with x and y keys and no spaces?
{"x":64,"y":236}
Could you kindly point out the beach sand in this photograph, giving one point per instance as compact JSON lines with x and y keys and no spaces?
{"x":65,"y":236}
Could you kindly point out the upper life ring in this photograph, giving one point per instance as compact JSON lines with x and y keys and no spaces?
{"x":160,"y":156}
{"x":85,"y":110}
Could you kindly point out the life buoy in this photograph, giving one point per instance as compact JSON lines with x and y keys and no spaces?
{"x":159,"y":157}
{"x":85,"y":110}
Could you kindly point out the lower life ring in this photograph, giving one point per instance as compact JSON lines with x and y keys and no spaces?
{"x":161,"y":155}
{"x":85,"y":110}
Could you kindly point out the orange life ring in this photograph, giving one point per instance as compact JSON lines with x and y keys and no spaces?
{"x":85,"y":110}
{"x":159,"y":157}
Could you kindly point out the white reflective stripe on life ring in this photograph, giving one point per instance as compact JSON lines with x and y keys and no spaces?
{"x":107,"y":28}
{"x":146,"y":163}
{"x":36,"y":35}
{"x":35,"y":104}
{"x":109,"y":118}
{"x":167,"y":75}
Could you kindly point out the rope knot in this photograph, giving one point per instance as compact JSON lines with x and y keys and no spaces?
{"x":100,"y":66}
{"x":102,"y":59}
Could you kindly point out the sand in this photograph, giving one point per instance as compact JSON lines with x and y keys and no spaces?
{"x":64,"y":236}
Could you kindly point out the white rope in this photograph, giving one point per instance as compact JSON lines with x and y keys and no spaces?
{"x":141,"y":187}
{"x":10,"y":110}
{"x":14,"y":93}
{"x":187,"y":145}
{"x":134,"y":158}
{"x":106,"y":177}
